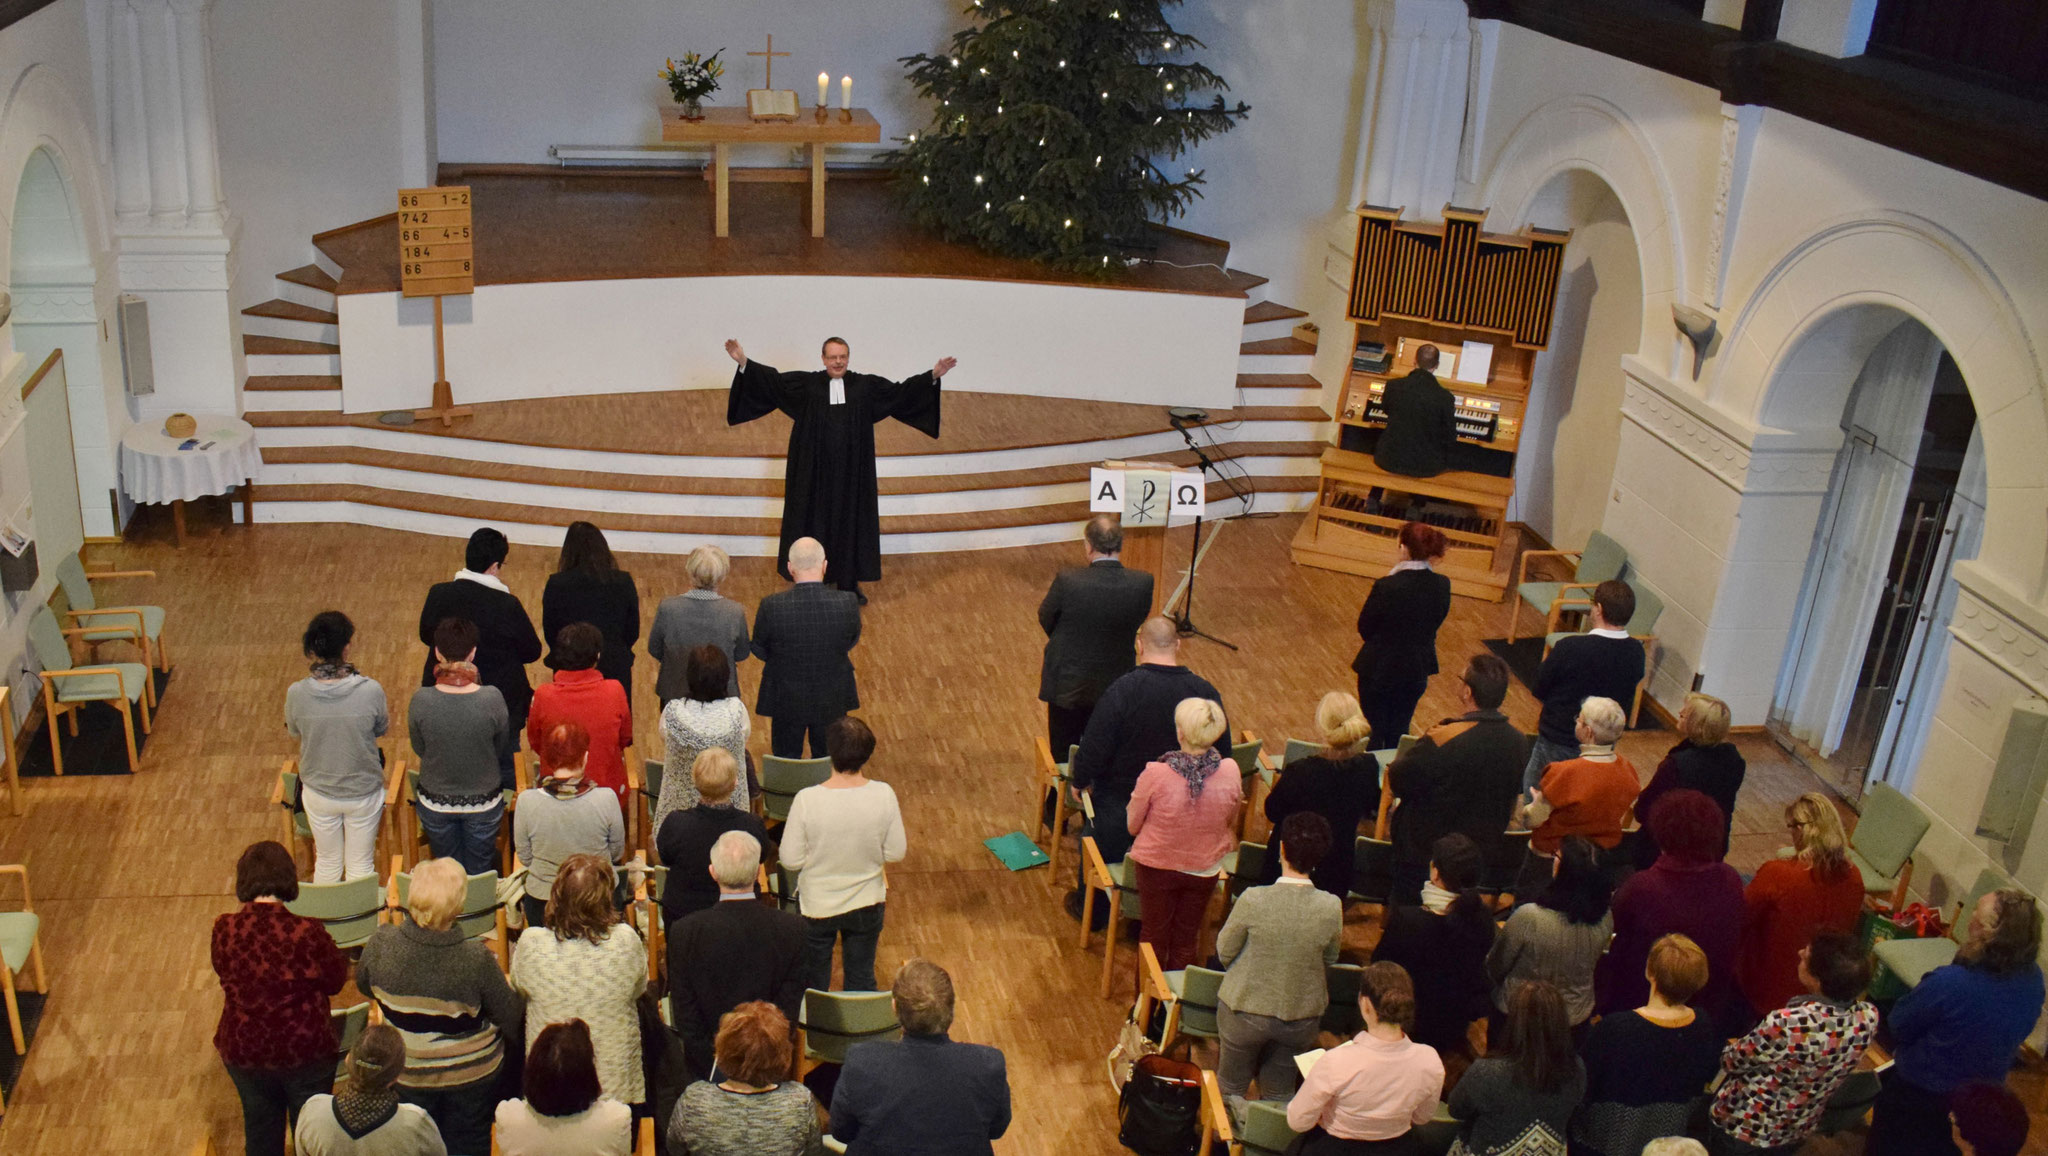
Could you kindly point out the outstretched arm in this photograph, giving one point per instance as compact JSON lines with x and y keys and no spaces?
{"x":939,"y":367}
{"x":758,"y":389}
{"x":733,"y":350}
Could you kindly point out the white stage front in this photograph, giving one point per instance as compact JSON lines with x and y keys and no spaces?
{"x":569,"y":338}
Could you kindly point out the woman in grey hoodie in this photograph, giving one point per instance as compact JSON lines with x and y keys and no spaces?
{"x":338,"y":715}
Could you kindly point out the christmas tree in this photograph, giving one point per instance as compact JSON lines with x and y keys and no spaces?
{"x":1051,"y":121}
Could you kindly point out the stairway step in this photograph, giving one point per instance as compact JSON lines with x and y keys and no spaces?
{"x":312,"y":277}
{"x":287,"y":346}
{"x":1278,"y":381}
{"x":284,"y":310}
{"x":1251,"y":285}
{"x":1279,"y":413}
{"x":1277,"y":347}
{"x":293,"y":382}
{"x":1271,"y":311}
{"x":297,"y":417}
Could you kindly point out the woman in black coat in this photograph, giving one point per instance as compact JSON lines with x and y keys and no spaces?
{"x":1341,"y":783}
{"x":1397,"y":634}
{"x":588,"y":586}
{"x":1704,"y":761}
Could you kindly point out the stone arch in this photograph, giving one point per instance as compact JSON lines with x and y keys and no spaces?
{"x":1794,"y":350}
{"x":1586,"y":133}
{"x":40,"y":113}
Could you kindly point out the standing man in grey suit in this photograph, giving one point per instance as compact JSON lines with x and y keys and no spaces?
{"x":804,"y":637}
{"x":1089,"y":616}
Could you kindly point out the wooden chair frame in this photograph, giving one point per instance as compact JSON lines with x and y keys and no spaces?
{"x":401,"y":811}
{"x":657,"y":931}
{"x":1153,"y":990}
{"x":1215,"y":1118}
{"x":1522,"y":576}
{"x":35,"y":955}
{"x":161,"y":653}
{"x":7,"y":738}
{"x":53,"y":710}
{"x":1046,"y":777}
{"x":289,"y":832}
{"x":1651,"y":650}
{"x":394,"y":912}
{"x":638,"y":837}
{"x":1095,"y":876}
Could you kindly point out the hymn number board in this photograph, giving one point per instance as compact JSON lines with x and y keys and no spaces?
{"x":436,"y":244}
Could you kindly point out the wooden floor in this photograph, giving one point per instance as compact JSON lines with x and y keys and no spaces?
{"x":595,"y":224}
{"x":129,"y":872}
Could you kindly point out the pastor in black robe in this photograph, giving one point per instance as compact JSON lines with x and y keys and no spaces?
{"x":829,"y":490}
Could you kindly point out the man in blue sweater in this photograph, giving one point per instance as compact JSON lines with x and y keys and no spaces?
{"x":922,"y":1095}
{"x":1963,"y":1023}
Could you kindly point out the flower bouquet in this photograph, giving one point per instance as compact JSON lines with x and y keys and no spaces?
{"x":693,"y":80}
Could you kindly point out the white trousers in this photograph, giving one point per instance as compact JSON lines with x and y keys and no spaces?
{"x":343,"y":830}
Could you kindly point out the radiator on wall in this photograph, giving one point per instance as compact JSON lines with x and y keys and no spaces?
{"x":136,"y":368}
{"x":2019,"y":778}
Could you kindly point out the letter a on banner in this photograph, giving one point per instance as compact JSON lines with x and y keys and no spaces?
{"x":1189,"y":495}
{"x":1105,"y":491}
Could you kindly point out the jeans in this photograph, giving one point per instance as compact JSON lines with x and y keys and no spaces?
{"x":786,"y":737}
{"x":1261,"y":1045}
{"x":271,"y":1099}
{"x":470,"y":837}
{"x":859,"y":931}
{"x":1171,"y":907}
{"x":1542,"y":753}
{"x":343,"y":830}
{"x":463,"y":1113}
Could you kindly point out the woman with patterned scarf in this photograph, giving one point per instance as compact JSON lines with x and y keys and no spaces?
{"x":563,"y":815}
{"x":1183,"y":821}
{"x":338,"y":715}
{"x":366,"y":1118}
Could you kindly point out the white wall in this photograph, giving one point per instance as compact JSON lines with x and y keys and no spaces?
{"x":582,"y":337}
{"x":307,"y":98}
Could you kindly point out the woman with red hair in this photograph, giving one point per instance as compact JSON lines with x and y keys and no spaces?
{"x":564,"y":814}
{"x":1397,"y":635}
{"x":1688,"y":891}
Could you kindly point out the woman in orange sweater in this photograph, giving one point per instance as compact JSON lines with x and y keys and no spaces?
{"x":1790,"y":900}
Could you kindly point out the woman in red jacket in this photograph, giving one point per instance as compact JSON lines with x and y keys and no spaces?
{"x":582,"y":695}
{"x":1789,"y":901}
{"x":277,"y":971}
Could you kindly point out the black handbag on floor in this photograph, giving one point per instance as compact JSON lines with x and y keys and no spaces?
{"x":1161,"y":1107}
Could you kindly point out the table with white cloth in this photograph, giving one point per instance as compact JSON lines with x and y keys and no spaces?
{"x":154,"y":471}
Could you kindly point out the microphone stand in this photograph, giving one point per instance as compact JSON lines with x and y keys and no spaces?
{"x":1184,"y":622}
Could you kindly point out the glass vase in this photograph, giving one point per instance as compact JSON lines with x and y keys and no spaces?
{"x":693,"y":108}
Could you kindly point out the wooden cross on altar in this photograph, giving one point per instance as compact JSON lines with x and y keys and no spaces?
{"x":769,"y":81}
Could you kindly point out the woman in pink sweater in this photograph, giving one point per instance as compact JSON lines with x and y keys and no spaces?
{"x":1183,"y":819}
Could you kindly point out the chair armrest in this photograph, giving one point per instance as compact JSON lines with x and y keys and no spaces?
{"x":20,"y":869}
{"x":120,"y":573}
{"x":391,"y":887}
{"x":634,"y":785}
{"x":1522,"y":563}
{"x":1091,"y":860}
{"x":522,"y":771}
{"x":1048,"y":767}
{"x":104,"y":611}
{"x":83,"y":671}
{"x":394,"y":782}
{"x":645,"y":1146}
{"x":1152,"y":977}
{"x":277,"y":788}
{"x":639,"y":860}
{"x":1213,"y":1109}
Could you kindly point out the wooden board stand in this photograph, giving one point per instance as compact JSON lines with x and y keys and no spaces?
{"x":1421,"y":283}
{"x":436,"y":258}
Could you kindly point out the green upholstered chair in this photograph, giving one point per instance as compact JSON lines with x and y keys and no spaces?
{"x":781,"y":779}
{"x":1642,"y":626}
{"x":1245,"y":866}
{"x":67,"y":688}
{"x":1342,"y":1017}
{"x":1193,"y":1010}
{"x":834,"y":1021}
{"x":1603,"y":559}
{"x":1118,"y":884}
{"x":1909,"y":960}
{"x":348,"y":910}
{"x":296,"y":828}
{"x":1264,"y":1130}
{"x":141,"y":625}
{"x":21,"y":946}
{"x":1372,"y":872}
{"x":483,"y":914}
{"x":348,"y":1024}
{"x":1052,"y":781}
{"x":1881,"y":846}
{"x":1297,"y":750}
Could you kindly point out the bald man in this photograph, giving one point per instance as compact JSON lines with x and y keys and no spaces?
{"x":1133,"y":725}
{"x":804,"y":637}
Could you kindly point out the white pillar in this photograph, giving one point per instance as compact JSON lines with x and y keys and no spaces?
{"x":129,"y":130}
{"x":1418,"y":54}
{"x":195,"y":98}
{"x":417,"y":151}
{"x":163,"y":113}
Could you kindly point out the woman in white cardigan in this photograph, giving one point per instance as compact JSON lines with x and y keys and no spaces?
{"x":587,"y":965}
{"x":839,"y":835}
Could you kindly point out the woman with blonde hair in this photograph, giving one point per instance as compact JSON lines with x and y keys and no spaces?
{"x":587,"y":965}
{"x":1790,"y":900}
{"x":450,"y":1003}
{"x":1183,"y":821}
{"x":1341,"y":783}
{"x":1703,"y":760}
{"x":366,"y":1117}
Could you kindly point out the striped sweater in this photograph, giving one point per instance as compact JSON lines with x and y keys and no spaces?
{"x":446,"y":996}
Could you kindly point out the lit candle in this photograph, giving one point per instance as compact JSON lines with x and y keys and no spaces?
{"x":846,"y":92}
{"x":824,"y":82}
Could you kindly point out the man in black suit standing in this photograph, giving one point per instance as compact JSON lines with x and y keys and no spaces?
{"x":803,"y":637}
{"x":1089,"y":616}
{"x":1397,"y":635}
{"x":1422,"y":422}
{"x":1463,"y":776}
{"x":506,"y":640}
{"x":924,"y":1092}
{"x":738,"y":949}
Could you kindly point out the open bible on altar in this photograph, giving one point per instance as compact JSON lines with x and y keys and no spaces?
{"x":771,"y":103}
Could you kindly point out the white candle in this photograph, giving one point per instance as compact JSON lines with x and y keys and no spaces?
{"x":846,"y":92}
{"x":824,"y":82}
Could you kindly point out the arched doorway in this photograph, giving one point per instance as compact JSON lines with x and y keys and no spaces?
{"x":1905,"y":502}
{"x":51,"y":278}
{"x":1573,"y":420}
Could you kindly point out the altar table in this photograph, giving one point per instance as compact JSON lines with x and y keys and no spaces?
{"x":723,"y":127}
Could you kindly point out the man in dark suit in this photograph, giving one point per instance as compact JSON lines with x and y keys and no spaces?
{"x":1604,"y":662}
{"x":922,"y":1093}
{"x":1422,"y":422}
{"x":506,"y":641}
{"x":1397,"y":636}
{"x":803,"y":637}
{"x":739,"y":949}
{"x":1462,"y":777}
{"x":1089,"y":616}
